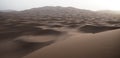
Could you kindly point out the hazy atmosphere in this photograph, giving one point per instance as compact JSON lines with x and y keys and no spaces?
{"x":82,"y":4}
{"x":59,"y":29}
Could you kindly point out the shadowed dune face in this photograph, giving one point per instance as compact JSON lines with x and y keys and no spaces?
{"x":57,"y":26}
{"x":113,"y":22}
{"x":96,"y":29}
{"x":14,"y":31}
{"x":18,"y":40}
{"x":19,"y":48}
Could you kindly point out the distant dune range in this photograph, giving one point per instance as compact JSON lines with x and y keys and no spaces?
{"x":59,"y":32}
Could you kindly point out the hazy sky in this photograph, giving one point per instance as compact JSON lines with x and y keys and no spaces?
{"x":82,"y":4}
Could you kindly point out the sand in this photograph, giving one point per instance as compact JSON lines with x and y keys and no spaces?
{"x":83,"y":45}
{"x":33,"y":41}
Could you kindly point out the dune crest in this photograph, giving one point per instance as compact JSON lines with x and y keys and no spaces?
{"x":100,"y":45}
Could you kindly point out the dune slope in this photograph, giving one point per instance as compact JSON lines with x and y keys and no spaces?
{"x":80,"y":45}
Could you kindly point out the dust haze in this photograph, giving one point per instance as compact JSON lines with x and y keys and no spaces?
{"x":59,"y":32}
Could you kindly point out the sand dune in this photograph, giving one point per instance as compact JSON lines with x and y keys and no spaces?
{"x":59,"y":32}
{"x":34,"y":40}
{"x":82,"y":45}
{"x":19,"y":40}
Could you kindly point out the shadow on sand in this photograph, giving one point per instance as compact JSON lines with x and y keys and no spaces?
{"x":96,"y":29}
{"x":11,"y":48}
